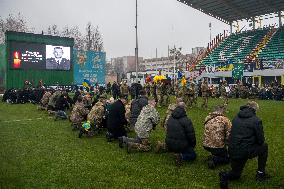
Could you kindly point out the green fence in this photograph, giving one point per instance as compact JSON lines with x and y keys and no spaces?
{"x":2,"y":67}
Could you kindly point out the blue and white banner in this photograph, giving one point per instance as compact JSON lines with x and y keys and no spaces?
{"x":90,"y":66}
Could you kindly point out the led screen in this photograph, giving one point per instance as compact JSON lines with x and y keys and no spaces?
{"x":39,"y":56}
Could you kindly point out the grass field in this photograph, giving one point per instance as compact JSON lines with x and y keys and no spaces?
{"x":43,"y":153}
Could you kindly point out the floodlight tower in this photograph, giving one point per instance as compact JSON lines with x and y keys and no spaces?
{"x":136,"y":48}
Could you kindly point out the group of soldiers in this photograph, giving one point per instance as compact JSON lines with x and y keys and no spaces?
{"x":162,"y":90}
{"x":92,"y":112}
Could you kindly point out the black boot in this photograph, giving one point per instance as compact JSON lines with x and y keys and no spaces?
{"x":261,"y":176}
{"x":81,"y":133}
{"x":109,"y":136}
{"x":223,"y":180}
{"x":120,"y":142}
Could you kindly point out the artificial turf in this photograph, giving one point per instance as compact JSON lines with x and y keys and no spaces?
{"x":38,"y":152}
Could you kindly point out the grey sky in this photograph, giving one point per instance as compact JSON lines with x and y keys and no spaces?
{"x":161,"y":22}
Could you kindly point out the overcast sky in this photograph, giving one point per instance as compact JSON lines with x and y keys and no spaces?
{"x":160,"y":22}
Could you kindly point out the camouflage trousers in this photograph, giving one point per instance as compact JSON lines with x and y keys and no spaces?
{"x":225,"y":100}
{"x":160,"y":99}
{"x":138,"y":144}
{"x":189,"y":100}
{"x":205,"y":102}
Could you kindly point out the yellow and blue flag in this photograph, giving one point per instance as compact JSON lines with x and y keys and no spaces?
{"x":86,"y":83}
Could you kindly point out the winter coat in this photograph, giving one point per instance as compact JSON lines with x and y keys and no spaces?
{"x":61,"y":104}
{"x":246,"y":133}
{"x":217,"y":129}
{"x":180,"y":132}
{"x":137,"y":105}
{"x":116,"y":119}
{"x":148,"y":118}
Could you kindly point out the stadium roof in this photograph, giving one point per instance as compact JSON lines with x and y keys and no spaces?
{"x":232,"y":10}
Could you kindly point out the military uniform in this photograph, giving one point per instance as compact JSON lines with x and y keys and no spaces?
{"x":63,"y":64}
{"x":190,"y":95}
{"x":78,"y":114}
{"x":124,"y":90}
{"x":52,"y":100}
{"x":96,"y":114}
{"x":217,"y":130}
{"x":169,"y":112}
{"x":147,"y":89}
{"x":204,"y":91}
{"x":224,"y":93}
{"x":159,"y":94}
{"x":154,"y":91}
{"x":147,"y":120}
{"x":44,"y":100}
{"x":168,"y":92}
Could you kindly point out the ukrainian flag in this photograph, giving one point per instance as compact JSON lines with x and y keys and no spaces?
{"x":86,"y":83}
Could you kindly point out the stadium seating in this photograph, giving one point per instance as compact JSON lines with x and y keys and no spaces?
{"x":236,"y":47}
{"x":275,"y":47}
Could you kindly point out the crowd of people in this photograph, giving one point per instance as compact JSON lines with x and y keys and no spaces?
{"x":92,"y":113}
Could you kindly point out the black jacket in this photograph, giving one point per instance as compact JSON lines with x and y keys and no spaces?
{"x":116,"y":119}
{"x":246,"y":133}
{"x":137,"y":105}
{"x":61,"y":104}
{"x":180,"y":132}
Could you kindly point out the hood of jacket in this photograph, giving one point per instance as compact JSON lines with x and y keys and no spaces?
{"x":178,"y":113}
{"x":246,"y":112}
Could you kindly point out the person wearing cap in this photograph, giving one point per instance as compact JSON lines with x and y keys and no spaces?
{"x":246,"y":142}
{"x":217,"y":129}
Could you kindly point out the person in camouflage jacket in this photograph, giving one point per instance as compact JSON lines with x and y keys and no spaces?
{"x":146,"y":122}
{"x":79,"y":113}
{"x":97,"y":112}
{"x":44,"y":100}
{"x":217,"y":129}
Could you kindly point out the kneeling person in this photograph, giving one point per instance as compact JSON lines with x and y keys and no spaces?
{"x":79,"y":113}
{"x":146,"y":122}
{"x":217,"y":129}
{"x":180,"y":137}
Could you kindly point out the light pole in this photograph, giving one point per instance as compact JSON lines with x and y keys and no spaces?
{"x":136,"y":48}
{"x":210,"y":26}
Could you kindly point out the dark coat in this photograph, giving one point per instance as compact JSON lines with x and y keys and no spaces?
{"x":180,"y":132}
{"x":246,"y":133}
{"x":115,"y":88}
{"x":137,"y":105}
{"x":116,"y":119}
{"x":61,"y":104}
{"x":52,"y":64}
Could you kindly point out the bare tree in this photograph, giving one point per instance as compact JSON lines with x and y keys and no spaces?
{"x":75,"y":33}
{"x":93,"y":38}
{"x":13,"y":23}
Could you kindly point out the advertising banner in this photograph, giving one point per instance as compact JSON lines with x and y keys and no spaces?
{"x":89,"y":66}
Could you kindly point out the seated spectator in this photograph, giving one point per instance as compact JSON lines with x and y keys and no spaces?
{"x":217,"y":128}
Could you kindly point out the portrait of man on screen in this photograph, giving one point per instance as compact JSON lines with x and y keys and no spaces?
{"x":57,"y":57}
